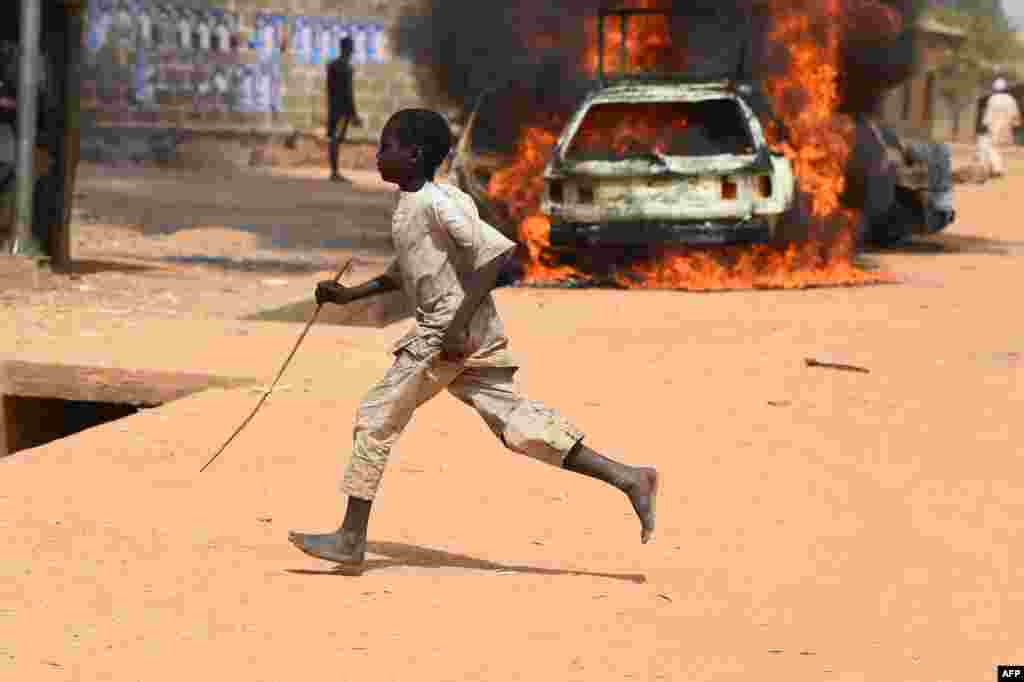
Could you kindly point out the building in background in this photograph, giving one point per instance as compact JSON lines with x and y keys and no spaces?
{"x":237,"y":65}
{"x":917,"y":106}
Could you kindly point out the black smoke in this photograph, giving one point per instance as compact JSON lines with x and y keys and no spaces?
{"x":535,"y":47}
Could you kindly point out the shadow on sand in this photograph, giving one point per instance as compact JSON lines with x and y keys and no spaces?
{"x":92,"y":267}
{"x":398,"y":554}
{"x":951,"y":243}
{"x":254,"y":265}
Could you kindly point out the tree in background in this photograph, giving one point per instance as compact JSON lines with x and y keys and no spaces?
{"x":990,"y":48}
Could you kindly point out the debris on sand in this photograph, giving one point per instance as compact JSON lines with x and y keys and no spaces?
{"x":823,"y":361}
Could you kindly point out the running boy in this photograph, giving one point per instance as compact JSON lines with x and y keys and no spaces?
{"x":447,"y":262}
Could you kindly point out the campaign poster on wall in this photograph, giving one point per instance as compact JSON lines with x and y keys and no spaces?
{"x":270,"y":37}
{"x":325,"y":36}
{"x":302,"y":40}
{"x":138,"y":52}
{"x":315,"y":41}
{"x":141,"y":53}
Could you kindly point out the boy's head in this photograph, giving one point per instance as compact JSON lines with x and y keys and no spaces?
{"x":347,"y":46}
{"x":414,"y":142}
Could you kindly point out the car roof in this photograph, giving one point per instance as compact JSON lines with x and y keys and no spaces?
{"x":645,"y":91}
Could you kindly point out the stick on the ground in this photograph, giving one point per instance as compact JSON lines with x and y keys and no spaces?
{"x":266,"y":394}
{"x":831,"y":364}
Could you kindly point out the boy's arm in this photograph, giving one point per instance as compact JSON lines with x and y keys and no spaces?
{"x":481,"y":283}
{"x":331,"y":292}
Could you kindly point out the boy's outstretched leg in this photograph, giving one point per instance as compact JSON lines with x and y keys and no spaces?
{"x":535,"y":430}
{"x":347,"y":545}
{"x":639,"y":483}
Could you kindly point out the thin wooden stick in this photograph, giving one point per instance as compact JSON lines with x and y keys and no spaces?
{"x":266,"y":394}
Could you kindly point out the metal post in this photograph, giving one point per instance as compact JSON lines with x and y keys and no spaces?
{"x":27,"y":117}
{"x":624,"y":25}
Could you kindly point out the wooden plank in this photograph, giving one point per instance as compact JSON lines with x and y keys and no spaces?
{"x":7,"y":431}
{"x":107,"y":384}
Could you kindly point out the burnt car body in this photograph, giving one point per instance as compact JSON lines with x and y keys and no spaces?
{"x":699,"y":171}
{"x":644,"y":198}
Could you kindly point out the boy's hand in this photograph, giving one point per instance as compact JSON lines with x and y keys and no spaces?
{"x":329,"y":291}
{"x":453,"y":346}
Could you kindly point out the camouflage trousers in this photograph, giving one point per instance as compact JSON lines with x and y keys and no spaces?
{"x":523,"y":426}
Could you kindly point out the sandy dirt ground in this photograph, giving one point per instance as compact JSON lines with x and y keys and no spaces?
{"x":814,"y":524}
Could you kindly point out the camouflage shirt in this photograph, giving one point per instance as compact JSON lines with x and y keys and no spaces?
{"x":439,"y":242}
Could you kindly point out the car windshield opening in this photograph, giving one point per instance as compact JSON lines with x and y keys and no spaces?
{"x":618,"y":131}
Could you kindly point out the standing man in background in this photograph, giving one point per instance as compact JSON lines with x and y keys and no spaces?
{"x":341,"y":103}
{"x":1000,"y":116}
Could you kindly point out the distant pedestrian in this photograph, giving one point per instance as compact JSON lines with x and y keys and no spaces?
{"x":1001,"y":114}
{"x":341,"y":103}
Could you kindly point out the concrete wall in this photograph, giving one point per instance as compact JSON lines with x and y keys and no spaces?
{"x":918,"y":104}
{"x":142,"y":73}
{"x":916,"y":107}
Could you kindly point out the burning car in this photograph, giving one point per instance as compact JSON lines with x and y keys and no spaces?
{"x":687,"y":163}
{"x":664,"y":164}
{"x":642,"y":164}
{"x":677,"y":164}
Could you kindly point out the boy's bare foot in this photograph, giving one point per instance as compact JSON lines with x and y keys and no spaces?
{"x":643,"y":495}
{"x":341,"y":546}
{"x":639,"y":483}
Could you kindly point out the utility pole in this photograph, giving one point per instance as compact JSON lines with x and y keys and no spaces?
{"x":28,"y":81}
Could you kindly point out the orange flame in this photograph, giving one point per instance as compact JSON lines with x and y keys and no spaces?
{"x":818,"y":143}
{"x":796,"y":266}
{"x":807,"y":98}
{"x":520,"y":187}
{"x":622,"y":128}
{"x":648,"y":43}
